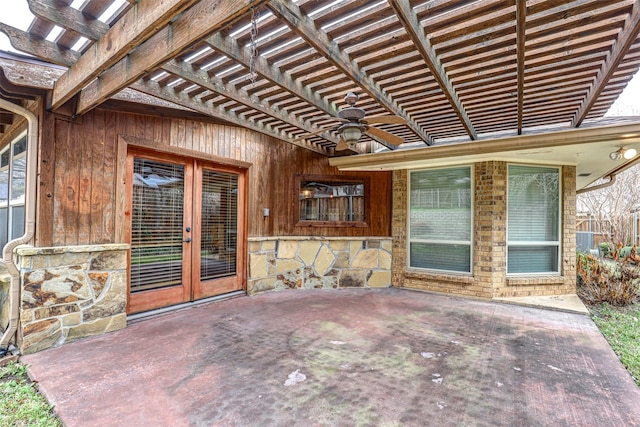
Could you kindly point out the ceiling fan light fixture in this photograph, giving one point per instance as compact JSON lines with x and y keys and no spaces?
{"x":353,"y":125}
{"x":351,"y":132}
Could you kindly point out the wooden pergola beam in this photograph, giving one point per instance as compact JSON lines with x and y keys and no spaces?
{"x":206,"y":17}
{"x":6,"y":118}
{"x":626,"y":38}
{"x":521,"y":23}
{"x":96,"y":29}
{"x":68,"y":17}
{"x":414,"y":29}
{"x":234,"y":51}
{"x":217,"y":85}
{"x":40,"y":48}
{"x":142,"y":21}
{"x":304,"y":26}
{"x":170,"y":94}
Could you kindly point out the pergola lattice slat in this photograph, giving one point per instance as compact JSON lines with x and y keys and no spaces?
{"x":626,"y":39}
{"x":145,"y":19}
{"x":422,"y":43}
{"x":491,"y":66}
{"x":304,"y":27}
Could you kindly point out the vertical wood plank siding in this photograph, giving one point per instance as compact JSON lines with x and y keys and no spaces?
{"x":78,"y":182}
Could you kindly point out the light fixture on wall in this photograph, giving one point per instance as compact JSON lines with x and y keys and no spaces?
{"x":623,"y":153}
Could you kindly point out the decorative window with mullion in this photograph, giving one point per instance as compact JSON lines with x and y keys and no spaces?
{"x":440,"y":217}
{"x":533,"y":220}
{"x":332,"y":201}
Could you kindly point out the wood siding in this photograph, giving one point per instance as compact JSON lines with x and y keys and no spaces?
{"x":79,"y":189}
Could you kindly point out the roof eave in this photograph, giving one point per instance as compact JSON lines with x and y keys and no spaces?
{"x":566,"y":147}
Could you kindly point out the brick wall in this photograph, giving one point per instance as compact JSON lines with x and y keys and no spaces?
{"x":399,"y":228}
{"x":490,"y":223}
{"x":489,"y":277}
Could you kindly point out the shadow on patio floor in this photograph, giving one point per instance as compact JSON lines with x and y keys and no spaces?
{"x":349,"y":357}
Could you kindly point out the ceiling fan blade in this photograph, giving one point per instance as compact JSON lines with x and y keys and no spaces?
{"x":390,"y":138}
{"x":393,"y":120}
{"x":342,"y":145}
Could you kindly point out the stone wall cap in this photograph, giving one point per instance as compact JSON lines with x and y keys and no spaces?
{"x":318,"y":238}
{"x":449,"y":276}
{"x":534,"y":280}
{"x":53,"y":250}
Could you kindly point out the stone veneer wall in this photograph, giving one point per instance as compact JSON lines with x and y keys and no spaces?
{"x":71,"y":292}
{"x":318,"y":262}
{"x":489,"y":276}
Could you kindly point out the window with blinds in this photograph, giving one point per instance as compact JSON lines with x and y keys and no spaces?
{"x":156,"y":224}
{"x":440,"y":215}
{"x":533,"y":220}
{"x":219,"y":225}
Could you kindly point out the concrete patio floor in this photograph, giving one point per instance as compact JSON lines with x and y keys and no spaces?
{"x":387,"y":357}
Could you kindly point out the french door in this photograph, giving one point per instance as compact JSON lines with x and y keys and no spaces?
{"x":186,"y":230}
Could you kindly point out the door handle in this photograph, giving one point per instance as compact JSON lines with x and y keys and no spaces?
{"x":187,"y":240}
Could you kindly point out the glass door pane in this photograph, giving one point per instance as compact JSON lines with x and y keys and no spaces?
{"x":219,"y":228}
{"x":156,"y":225}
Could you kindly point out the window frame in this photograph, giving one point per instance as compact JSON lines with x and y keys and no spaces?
{"x":331,"y":179}
{"x":539,"y":244}
{"x":11,"y":204}
{"x":469,"y":273}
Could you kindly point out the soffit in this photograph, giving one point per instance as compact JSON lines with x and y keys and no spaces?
{"x":587,"y":148}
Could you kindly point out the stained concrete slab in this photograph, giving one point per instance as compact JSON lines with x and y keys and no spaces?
{"x":385,"y":357}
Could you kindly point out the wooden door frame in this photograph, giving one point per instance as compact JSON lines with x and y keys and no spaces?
{"x":227,"y":284}
{"x":170,"y":295}
{"x":151,"y":148}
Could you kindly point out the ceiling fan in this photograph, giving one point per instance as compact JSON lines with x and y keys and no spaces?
{"x":354,"y":125}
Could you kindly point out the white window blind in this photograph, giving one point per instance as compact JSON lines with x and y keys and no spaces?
{"x":156,"y":224}
{"x":218,"y":248}
{"x":533,"y":213}
{"x":440,"y":214}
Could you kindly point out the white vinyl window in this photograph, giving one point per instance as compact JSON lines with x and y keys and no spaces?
{"x":533,"y":220}
{"x":13,"y":163}
{"x":440,"y":215}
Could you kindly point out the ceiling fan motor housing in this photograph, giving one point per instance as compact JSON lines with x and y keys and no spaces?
{"x":351,"y":113}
